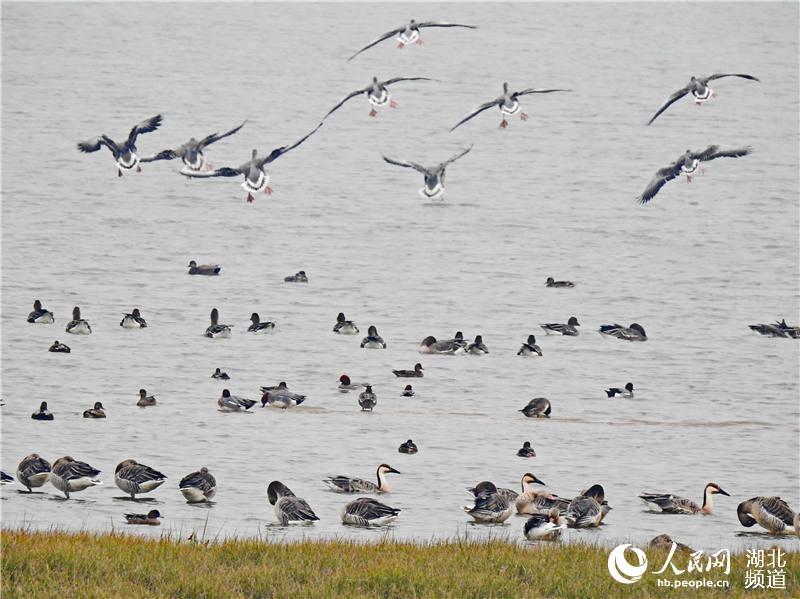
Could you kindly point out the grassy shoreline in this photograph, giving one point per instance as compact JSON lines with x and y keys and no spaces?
{"x":59,"y":564}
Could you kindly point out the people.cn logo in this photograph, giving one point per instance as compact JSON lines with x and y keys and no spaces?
{"x":621,"y":569}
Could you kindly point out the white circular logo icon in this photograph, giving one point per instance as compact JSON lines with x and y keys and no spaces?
{"x":621,"y":569}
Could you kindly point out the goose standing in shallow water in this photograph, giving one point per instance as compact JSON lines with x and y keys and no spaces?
{"x":771,"y":513}
{"x":508,"y":103}
{"x":345,"y":484}
{"x":59,"y":348}
{"x":257,"y":326}
{"x":288,"y":507}
{"x":408,"y":34}
{"x":40,"y":315}
{"x":687,"y":164}
{"x":635,"y":332}
{"x":198,"y":487}
{"x":233,"y":403}
{"x":151,"y":518}
{"x":125,"y":153}
{"x":191,"y":152}
{"x":78,"y":326}
{"x":672,"y":504}
{"x":538,"y":407}
{"x":551,"y":282}
{"x":588,"y":509}
{"x":529,"y":348}
{"x":408,"y":391}
{"x":526,"y":451}
{"x":568,"y":329}
{"x":216,"y":330}
{"x":256,"y":178}
{"x":377,"y":94}
{"x":429,"y":345}
{"x":542,"y":527}
{"x":208,"y":270}
{"x":133,"y":320}
{"x":367,"y":399}
{"x":33,"y":471}
{"x":70,"y":476}
{"x":145,"y":400}
{"x":280,"y":396}
{"x":132,"y":477}
{"x":96,"y":412}
{"x":434,"y":176}
{"x":491,"y":507}
{"x":625,"y":393}
{"x":373,"y":340}
{"x":417,"y":372}
{"x":43,"y":413}
{"x":698,"y":87}
{"x":366,"y":511}
{"x":344,"y":326}
{"x":408,"y":447}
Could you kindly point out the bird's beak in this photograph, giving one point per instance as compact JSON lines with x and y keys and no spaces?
{"x":724,"y":493}
{"x":539,"y":482}
{"x":398,"y":472}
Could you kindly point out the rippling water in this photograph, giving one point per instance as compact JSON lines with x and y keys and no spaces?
{"x":550,"y":197}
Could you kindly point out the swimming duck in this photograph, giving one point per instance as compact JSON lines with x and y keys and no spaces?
{"x":59,"y":348}
{"x":626,"y":392}
{"x":529,"y":348}
{"x":256,"y":178}
{"x":78,"y":326}
{"x":542,"y":527}
{"x":477,"y":347}
{"x":145,"y":400}
{"x":280,"y":396}
{"x":367,"y":399}
{"x":133,"y":320}
{"x":588,"y":509}
{"x":779,"y":329}
{"x":551,"y":282}
{"x":6,"y":479}
{"x":191,"y":152}
{"x":526,"y":451}
{"x":635,"y":332}
{"x":33,"y":471}
{"x":346,"y":385}
{"x":429,"y":345}
{"x":687,"y":164}
{"x":568,"y":329}
{"x":408,"y":391}
{"x":344,"y":327}
{"x":96,"y":412}
{"x":209,"y":270}
{"x":124,"y":153}
{"x":218,"y":374}
{"x":538,"y":407}
{"x":298,"y":277}
{"x":232,"y":403}
{"x":40,"y":315}
{"x":490,"y":506}
{"x":346,"y":484}
{"x":133,"y":478}
{"x":508,"y":103}
{"x":417,"y":372}
{"x":43,"y":413}
{"x":408,"y":447}
{"x":216,"y":330}
{"x":151,"y":518}
{"x":665,"y":542}
{"x":373,"y":340}
{"x":259,"y":327}
{"x":698,"y":86}
{"x":377,"y":94}
{"x":366,"y":511}
{"x":288,"y":507}
{"x":672,"y":504}
{"x":409,"y":34}
{"x":70,"y":476}
{"x":198,"y":487}
{"x":771,"y":513}
{"x":433,"y":176}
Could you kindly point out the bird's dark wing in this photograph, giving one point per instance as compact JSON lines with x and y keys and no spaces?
{"x":673,"y":98}
{"x":165,"y":155}
{"x":668,"y":173}
{"x":145,"y":126}
{"x":477,"y":111}
{"x":406,"y":164}
{"x":456,"y":157}
{"x":225,"y":171}
{"x":533,"y":90}
{"x":712,"y":152}
{"x":210,"y":139}
{"x":385,"y":36}
{"x":278,"y":152}
{"x":96,"y":143}
{"x":442,"y":24}
{"x":396,"y":79}
{"x":721,"y":75}
{"x":358,"y":92}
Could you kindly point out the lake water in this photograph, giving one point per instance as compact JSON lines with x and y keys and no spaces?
{"x":553,"y":196}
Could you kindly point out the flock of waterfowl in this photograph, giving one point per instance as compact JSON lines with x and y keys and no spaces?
{"x":547,"y":513}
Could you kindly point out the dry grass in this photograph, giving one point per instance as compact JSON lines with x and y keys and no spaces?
{"x":57,"y":564}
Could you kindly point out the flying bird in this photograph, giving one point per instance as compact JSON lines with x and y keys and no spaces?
{"x":256,"y":178}
{"x":191,"y":152}
{"x":508,"y":104}
{"x":434,"y":176}
{"x":408,"y":34}
{"x":688,"y":164}
{"x":698,"y":86}
{"x":124,"y":153}
{"x":377,"y":94}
